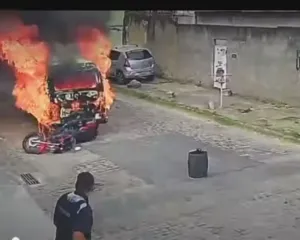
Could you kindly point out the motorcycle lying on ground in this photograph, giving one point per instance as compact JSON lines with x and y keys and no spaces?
{"x":63,"y":137}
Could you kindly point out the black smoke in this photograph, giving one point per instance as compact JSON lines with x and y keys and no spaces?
{"x":60,"y":26}
{"x":57,"y":28}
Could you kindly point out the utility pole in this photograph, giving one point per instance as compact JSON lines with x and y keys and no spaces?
{"x":222,"y":79}
{"x":125,"y":28}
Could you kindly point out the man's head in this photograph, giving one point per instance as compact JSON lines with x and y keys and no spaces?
{"x":85,"y":182}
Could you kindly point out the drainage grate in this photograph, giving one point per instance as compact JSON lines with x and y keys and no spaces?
{"x":29,"y":179}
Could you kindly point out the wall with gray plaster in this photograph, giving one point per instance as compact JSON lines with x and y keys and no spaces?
{"x":265,"y":66}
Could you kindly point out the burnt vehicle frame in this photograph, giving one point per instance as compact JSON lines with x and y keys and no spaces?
{"x":81,"y":108}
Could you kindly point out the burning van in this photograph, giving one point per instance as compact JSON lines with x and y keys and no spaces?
{"x":76,"y":88}
{"x":68,"y":98}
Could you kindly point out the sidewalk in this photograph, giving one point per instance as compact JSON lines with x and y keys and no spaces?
{"x":279,"y":120}
{"x":20,"y":215}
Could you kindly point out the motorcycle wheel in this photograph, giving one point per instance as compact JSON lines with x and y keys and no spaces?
{"x":31,"y":143}
{"x":94,"y":133}
{"x":87,"y":136}
{"x":90,"y":135}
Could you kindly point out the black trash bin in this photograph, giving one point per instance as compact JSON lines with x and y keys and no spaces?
{"x":197,"y":163}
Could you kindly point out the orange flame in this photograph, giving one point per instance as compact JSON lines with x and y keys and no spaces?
{"x":29,"y":59}
{"x":95,"y":46}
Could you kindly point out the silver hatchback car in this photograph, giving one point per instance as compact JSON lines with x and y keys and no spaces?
{"x":131,"y":62}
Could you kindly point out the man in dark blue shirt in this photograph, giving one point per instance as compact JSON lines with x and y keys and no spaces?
{"x":73,"y":216}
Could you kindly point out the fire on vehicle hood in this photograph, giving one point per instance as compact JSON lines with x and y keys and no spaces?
{"x":29,"y":57}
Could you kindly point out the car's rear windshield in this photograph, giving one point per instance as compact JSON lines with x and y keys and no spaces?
{"x":140,"y":54}
{"x":77,"y":80}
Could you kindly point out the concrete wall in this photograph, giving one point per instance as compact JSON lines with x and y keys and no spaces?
{"x":115,"y":26}
{"x":265,"y":66}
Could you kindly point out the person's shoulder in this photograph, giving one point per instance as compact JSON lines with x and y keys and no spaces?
{"x":88,"y":207}
{"x":63,"y":197}
{"x":84,"y":208}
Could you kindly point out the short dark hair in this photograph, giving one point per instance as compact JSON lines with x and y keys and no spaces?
{"x":85,"y":181}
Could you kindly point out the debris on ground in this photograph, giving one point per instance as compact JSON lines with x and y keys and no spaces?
{"x":171,"y":94}
{"x":199,"y":84}
{"x":247,"y":110}
{"x":211,"y":105}
{"x":228,"y":93}
{"x":263,"y":122}
{"x":77,"y":148}
{"x":134,"y":84}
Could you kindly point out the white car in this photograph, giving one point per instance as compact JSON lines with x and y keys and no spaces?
{"x":131,"y":62}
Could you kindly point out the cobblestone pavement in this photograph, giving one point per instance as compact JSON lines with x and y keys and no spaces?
{"x":276,"y":117}
{"x":139,"y":161}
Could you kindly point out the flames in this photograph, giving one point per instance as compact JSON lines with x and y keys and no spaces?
{"x":95,"y":47}
{"x":29,"y":59}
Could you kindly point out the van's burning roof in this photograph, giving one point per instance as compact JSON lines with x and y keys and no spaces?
{"x":72,"y":65}
{"x":55,"y":61}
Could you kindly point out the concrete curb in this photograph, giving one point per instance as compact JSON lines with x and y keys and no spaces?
{"x":209,"y":114}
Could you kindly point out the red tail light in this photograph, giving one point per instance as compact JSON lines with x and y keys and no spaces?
{"x":126,"y":64}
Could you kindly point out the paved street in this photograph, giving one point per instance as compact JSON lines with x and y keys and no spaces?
{"x":143,"y":192}
{"x":20,"y":215}
{"x":266,"y":116}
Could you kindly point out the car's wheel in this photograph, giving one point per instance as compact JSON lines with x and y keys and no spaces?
{"x":120,"y":78}
{"x":150,"y":78}
{"x":92,"y":134}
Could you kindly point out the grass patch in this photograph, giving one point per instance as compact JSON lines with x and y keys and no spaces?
{"x":210,"y":114}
